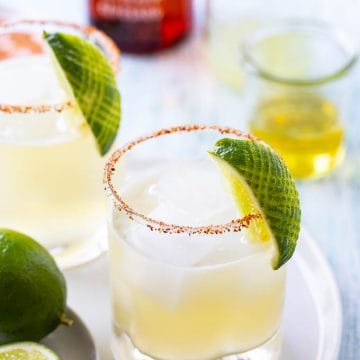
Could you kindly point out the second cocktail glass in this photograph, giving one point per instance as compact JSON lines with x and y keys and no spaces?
{"x":186,"y":283}
{"x":50,"y":185}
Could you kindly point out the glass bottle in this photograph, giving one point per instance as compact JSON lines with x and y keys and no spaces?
{"x":142,"y":26}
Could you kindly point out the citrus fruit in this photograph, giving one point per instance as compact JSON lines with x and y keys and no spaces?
{"x":88,"y":79}
{"x":261,"y":183}
{"x":26,"y":351}
{"x":32,"y":288}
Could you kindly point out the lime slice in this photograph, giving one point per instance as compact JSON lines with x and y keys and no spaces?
{"x":88,"y":79}
{"x":261,"y":183}
{"x":26,"y":351}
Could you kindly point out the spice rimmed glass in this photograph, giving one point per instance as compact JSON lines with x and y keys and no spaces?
{"x":50,"y":186}
{"x":186,"y":283}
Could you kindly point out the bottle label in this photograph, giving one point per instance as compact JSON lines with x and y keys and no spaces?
{"x":135,"y":10}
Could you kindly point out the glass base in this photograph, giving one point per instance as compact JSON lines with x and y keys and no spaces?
{"x":123,"y":349}
{"x":80,"y":251}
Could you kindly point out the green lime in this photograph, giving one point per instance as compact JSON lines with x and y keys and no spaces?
{"x":261,"y":183}
{"x":26,"y":351}
{"x":88,"y":79}
{"x":32,"y":288}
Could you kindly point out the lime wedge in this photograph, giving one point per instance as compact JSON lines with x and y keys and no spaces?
{"x":88,"y":79}
{"x":27,"y":351}
{"x":261,"y":183}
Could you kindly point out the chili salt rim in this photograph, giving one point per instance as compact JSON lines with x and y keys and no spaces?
{"x":235,"y":225}
{"x":96,"y":36}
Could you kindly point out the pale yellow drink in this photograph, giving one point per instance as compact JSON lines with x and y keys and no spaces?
{"x":182,"y":297}
{"x":51,"y":171}
{"x":304,"y":128}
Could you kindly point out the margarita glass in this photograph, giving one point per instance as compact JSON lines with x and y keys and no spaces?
{"x":186,"y":282}
{"x":50,"y":187}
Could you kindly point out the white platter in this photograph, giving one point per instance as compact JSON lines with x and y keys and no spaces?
{"x":312,"y":321}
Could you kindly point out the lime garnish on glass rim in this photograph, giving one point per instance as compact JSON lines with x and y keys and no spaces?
{"x":261,"y":183}
{"x":27,"y":351}
{"x":88,"y":79}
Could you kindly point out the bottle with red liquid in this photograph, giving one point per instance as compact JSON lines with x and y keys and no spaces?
{"x":142,"y":26}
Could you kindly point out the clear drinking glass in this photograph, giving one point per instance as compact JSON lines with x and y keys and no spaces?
{"x":298,"y":91}
{"x":50,"y":184}
{"x":186,"y":283}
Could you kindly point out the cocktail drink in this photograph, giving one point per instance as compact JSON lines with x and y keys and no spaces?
{"x":50,"y":187}
{"x":190,"y":269}
{"x":300,"y":93}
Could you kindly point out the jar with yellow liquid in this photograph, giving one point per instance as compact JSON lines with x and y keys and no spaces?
{"x":298,"y":92}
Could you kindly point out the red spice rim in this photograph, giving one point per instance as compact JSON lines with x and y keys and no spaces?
{"x":93,"y":34}
{"x":235,"y":225}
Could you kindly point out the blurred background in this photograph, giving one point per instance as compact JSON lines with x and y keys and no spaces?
{"x":202,"y":78}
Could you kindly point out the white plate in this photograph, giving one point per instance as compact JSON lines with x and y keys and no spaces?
{"x":312,"y":323}
{"x":73,"y":342}
{"x":312,"y":320}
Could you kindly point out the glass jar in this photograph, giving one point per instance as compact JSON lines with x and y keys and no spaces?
{"x":298,"y":91}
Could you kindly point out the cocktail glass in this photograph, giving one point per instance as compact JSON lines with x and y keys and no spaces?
{"x":50,"y":185}
{"x":186,"y":282}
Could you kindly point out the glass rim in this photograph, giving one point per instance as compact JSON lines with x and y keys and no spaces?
{"x":234,"y":225}
{"x":341,"y":37}
{"x":88,"y":31}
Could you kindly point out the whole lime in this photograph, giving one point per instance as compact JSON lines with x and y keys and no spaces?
{"x":32,"y":289}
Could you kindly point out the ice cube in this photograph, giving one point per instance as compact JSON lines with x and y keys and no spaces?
{"x":197,"y":192}
{"x":183,"y":193}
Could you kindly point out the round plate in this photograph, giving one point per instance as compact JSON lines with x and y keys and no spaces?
{"x":74,"y":342}
{"x":312,"y":321}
